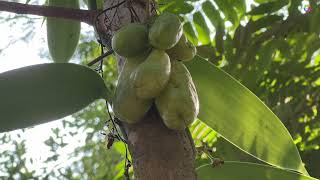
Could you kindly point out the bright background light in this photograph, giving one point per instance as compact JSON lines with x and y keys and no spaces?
{"x":20,"y":54}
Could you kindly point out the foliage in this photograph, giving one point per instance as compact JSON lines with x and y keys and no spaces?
{"x":270,"y":47}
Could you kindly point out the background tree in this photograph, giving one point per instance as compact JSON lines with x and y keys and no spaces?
{"x":271,"y":47}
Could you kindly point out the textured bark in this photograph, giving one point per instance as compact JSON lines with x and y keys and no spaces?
{"x":158,"y":153}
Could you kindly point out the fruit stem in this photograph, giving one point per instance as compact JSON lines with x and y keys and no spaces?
{"x":148,"y":9}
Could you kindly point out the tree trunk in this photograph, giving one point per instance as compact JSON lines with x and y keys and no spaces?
{"x":158,"y":153}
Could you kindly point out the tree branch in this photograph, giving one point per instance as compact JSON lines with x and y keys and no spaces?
{"x":86,"y":16}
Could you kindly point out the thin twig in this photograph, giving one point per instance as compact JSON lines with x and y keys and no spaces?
{"x":86,"y":16}
{"x":100,"y":58}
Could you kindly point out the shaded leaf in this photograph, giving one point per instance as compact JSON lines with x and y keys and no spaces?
{"x":241,"y":170}
{"x":264,"y":22}
{"x":219,"y":38}
{"x":268,"y":7}
{"x":229,"y":152}
{"x":228,"y":10}
{"x":41,"y":93}
{"x":240,"y":5}
{"x":207,"y":52}
{"x":212,"y":13}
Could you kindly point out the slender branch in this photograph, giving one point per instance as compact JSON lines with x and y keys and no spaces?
{"x":86,"y":16}
{"x":100,"y":58}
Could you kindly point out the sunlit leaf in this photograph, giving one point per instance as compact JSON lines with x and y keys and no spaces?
{"x":239,"y":116}
{"x":190,"y":34}
{"x":202,"y":28}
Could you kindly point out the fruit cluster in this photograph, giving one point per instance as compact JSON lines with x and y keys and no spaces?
{"x":154,"y":73}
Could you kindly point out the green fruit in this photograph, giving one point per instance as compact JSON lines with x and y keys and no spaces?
{"x":178,"y":104}
{"x":151,"y":77}
{"x":126,"y":105}
{"x":165,"y":31}
{"x":183,"y":50}
{"x":131,"y":40}
{"x":62,"y":35}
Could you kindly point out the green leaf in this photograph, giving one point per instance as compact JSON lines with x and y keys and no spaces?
{"x":41,"y":93}
{"x":202,"y":28}
{"x":241,"y":170}
{"x":228,"y":10}
{"x":268,"y":7}
{"x":264,"y":1}
{"x":229,"y":152}
{"x":207,"y":52}
{"x":177,"y":6}
{"x":212,"y":13}
{"x":201,"y":131}
{"x":264,"y":22}
{"x":242,"y":118}
{"x":92,"y":4}
{"x":240,"y":5}
{"x":190,"y":34}
{"x":219,"y":38}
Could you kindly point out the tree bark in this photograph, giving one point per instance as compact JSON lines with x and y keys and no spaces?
{"x":86,"y":16}
{"x":158,"y":153}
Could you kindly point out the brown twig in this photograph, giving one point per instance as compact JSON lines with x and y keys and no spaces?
{"x":100,"y":58}
{"x":86,"y":16}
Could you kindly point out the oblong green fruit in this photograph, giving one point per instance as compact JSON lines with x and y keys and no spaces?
{"x":126,"y":105}
{"x":183,"y":50}
{"x":152,"y":76}
{"x":62,"y":34}
{"x":178,"y":104}
{"x":166,"y":31}
{"x":131,"y":40}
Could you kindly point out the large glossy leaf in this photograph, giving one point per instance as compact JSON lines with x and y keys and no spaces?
{"x":42,"y":93}
{"x":244,"y":171}
{"x":240,"y":117}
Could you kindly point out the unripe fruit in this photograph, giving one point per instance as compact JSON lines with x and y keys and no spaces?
{"x":126,"y":105}
{"x":165,"y":32}
{"x":151,"y":77}
{"x":183,"y":50}
{"x":178,"y":104}
{"x":62,"y":34}
{"x":131,"y":40}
